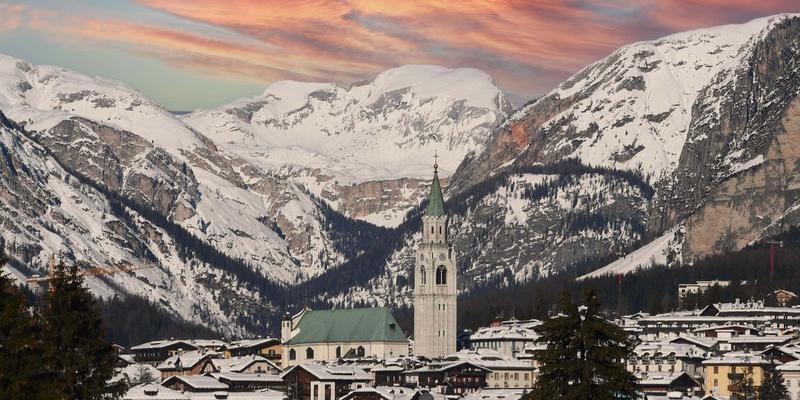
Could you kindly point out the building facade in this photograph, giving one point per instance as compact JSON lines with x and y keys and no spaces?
{"x":330,"y":335}
{"x":435,"y":290}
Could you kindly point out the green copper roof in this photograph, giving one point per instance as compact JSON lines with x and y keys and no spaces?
{"x":350,"y":325}
{"x":435,"y":200}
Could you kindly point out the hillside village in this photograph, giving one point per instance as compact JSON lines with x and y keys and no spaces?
{"x":363,"y":354}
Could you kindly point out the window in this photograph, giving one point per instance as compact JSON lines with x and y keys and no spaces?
{"x":338,"y":352}
{"x":422,"y":275}
{"x":292,"y":354}
{"x":309,"y":353}
{"x":441,"y":275}
{"x":360,"y":351}
{"x":716,"y":371}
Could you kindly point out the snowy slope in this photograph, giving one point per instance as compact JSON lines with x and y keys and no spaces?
{"x":44,"y":210}
{"x":631,"y":110}
{"x":232,"y":204}
{"x":328,"y":137}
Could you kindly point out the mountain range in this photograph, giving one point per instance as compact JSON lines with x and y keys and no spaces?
{"x":663,"y":152}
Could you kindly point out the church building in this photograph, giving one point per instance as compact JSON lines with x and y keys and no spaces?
{"x":330,"y":335}
{"x":435,"y":290}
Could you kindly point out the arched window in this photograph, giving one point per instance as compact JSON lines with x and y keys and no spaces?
{"x":309,"y":353}
{"x":422,"y":275}
{"x":360,"y":351}
{"x":441,"y":275}
{"x":338,"y":352}
{"x":292,"y":354}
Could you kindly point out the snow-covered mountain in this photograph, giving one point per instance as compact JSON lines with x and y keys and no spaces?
{"x":707,"y":119}
{"x":336,"y":140}
{"x":95,"y":173}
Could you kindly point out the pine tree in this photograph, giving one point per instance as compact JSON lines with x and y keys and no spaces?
{"x":584,"y":356}
{"x":744,"y":389}
{"x":81,"y":360}
{"x":772,"y":386}
{"x":21,"y":371}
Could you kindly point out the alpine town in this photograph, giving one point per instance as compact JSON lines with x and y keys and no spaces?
{"x":400,"y":200}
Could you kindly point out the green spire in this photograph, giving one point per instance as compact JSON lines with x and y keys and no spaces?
{"x":435,"y":200}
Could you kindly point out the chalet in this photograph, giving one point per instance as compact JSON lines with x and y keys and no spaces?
{"x":784,"y":297}
{"x":322,"y":382}
{"x":389,"y":375}
{"x":189,"y":363}
{"x":254,"y":364}
{"x":248,"y":382}
{"x":269,"y":348}
{"x":782,"y":354}
{"x":156,"y":352}
{"x":194,"y":383}
{"x":329,"y":335}
{"x":662,"y":383}
{"x":455,"y":378}
{"x":505,"y":372}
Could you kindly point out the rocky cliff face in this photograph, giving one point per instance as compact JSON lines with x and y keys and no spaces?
{"x":736,"y":175}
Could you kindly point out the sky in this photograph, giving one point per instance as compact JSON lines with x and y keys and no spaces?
{"x":189,"y":54}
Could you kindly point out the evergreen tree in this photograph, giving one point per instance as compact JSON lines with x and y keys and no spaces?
{"x":772,"y":386}
{"x":744,"y":389}
{"x":20,"y":351}
{"x":584,"y":356}
{"x":80,"y":359}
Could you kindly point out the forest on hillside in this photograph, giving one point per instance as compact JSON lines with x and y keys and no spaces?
{"x":653,"y":290}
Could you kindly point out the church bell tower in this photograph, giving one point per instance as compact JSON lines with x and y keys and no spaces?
{"x":435,"y":290}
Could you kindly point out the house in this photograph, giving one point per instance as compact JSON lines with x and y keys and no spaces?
{"x":158,"y":351}
{"x":655,"y":383}
{"x":508,"y":339}
{"x":724,"y":373}
{"x":189,"y":363}
{"x":248,"y":382}
{"x":668,"y":357}
{"x":453,"y":378}
{"x":497,"y":394}
{"x":784,"y":297}
{"x":194,"y":383}
{"x":391,"y":393}
{"x":322,"y":382}
{"x":328,"y":335}
{"x":388,"y":375}
{"x":782,"y":354}
{"x":505,"y":372}
{"x":254,"y":364}
{"x":699,"y":287}
{"x":757,"y":343}
{"x":791,"y":378}
{"x":269,"y":348}
{"x":152,"y":391}
{"x":725,"y":331}
{"x":221,"y":395}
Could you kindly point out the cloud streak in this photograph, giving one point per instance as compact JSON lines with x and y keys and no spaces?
{"x":527,"y":45}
